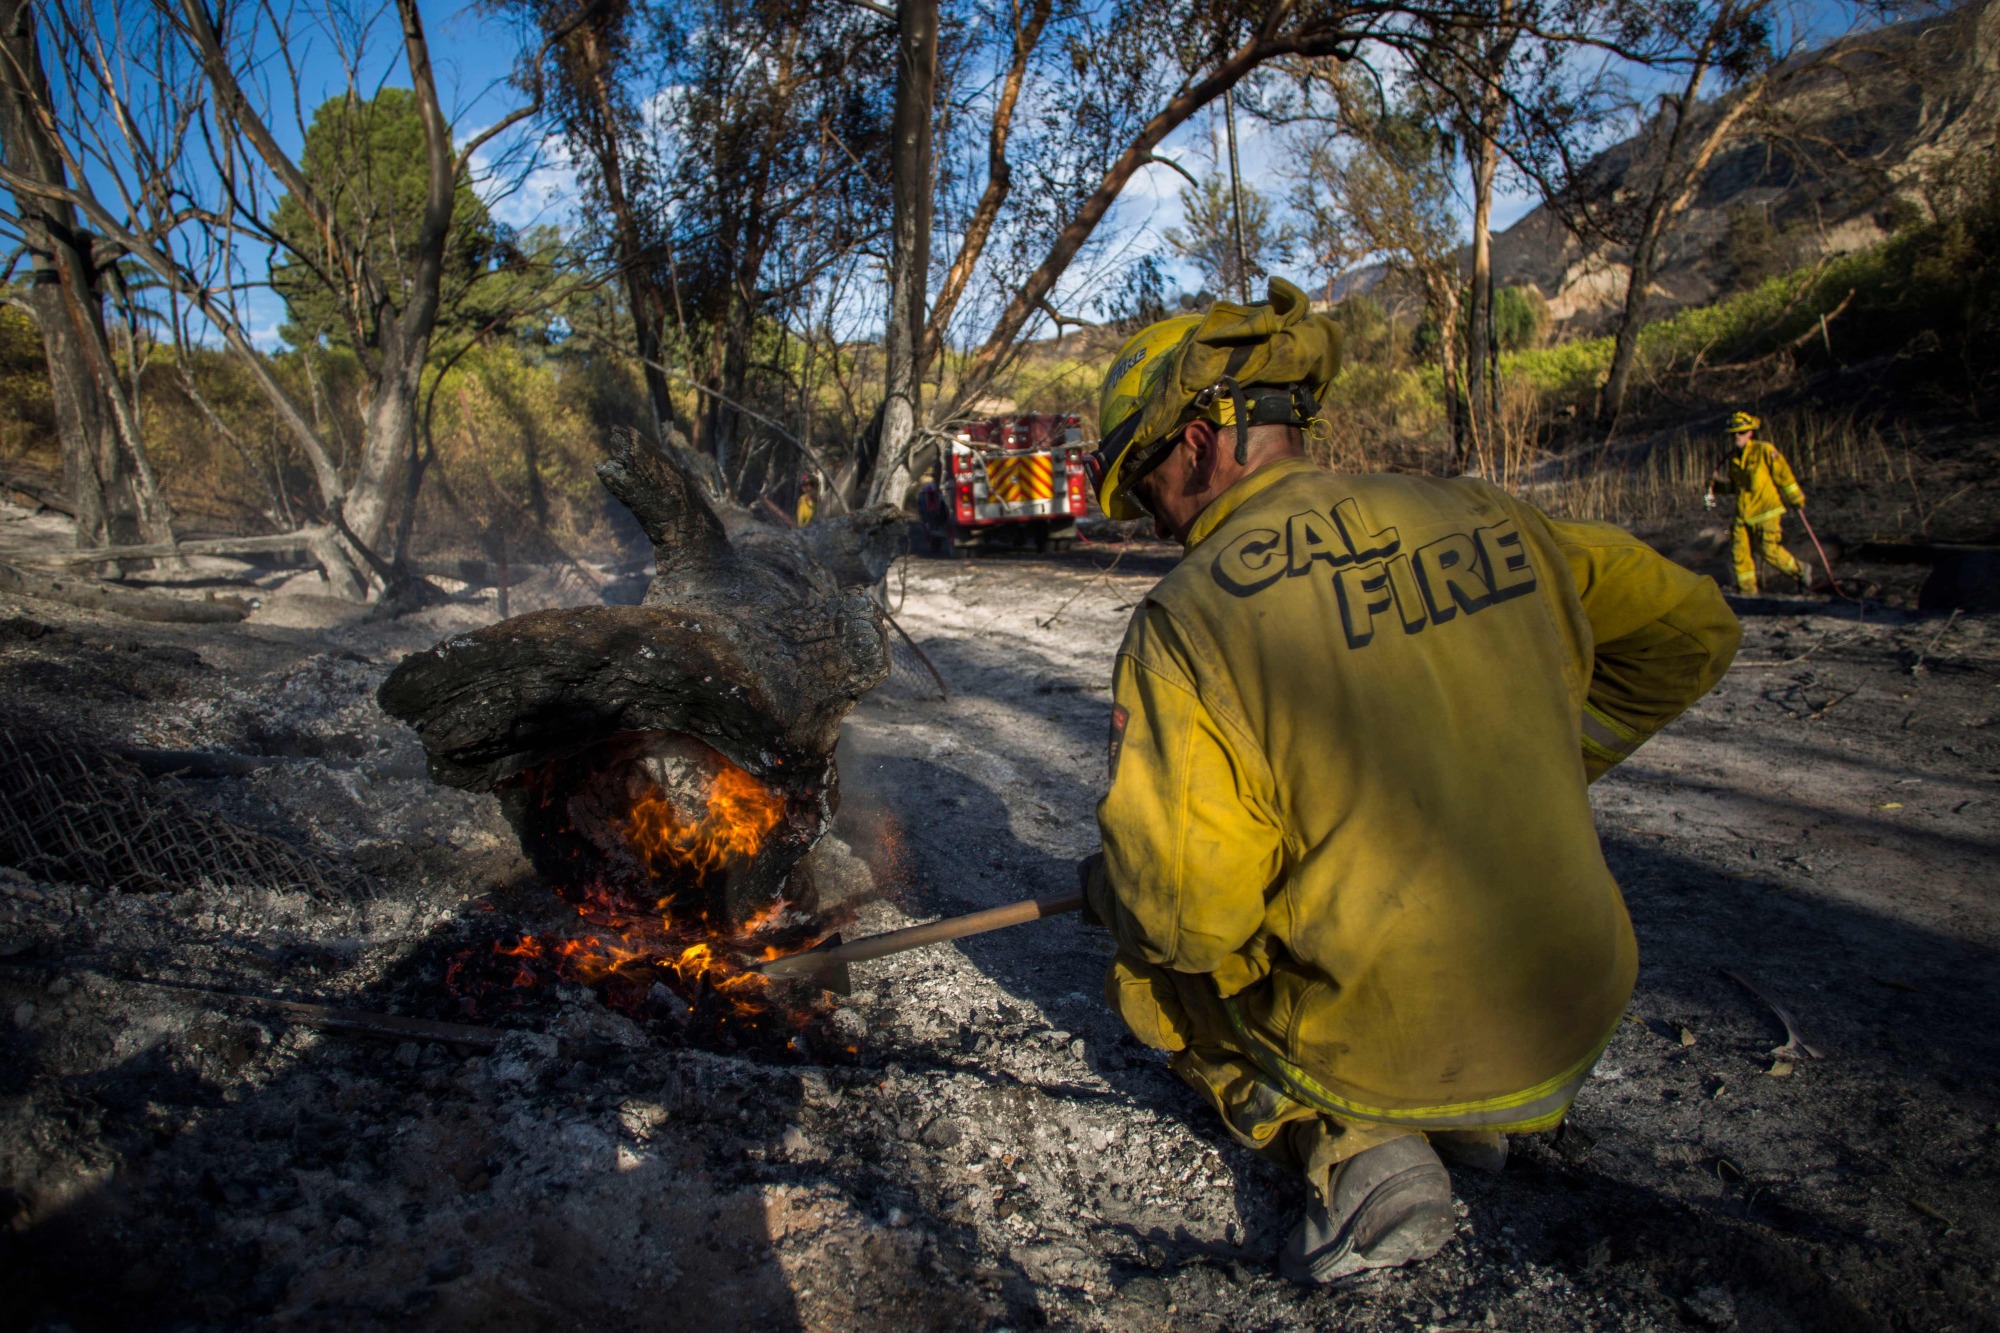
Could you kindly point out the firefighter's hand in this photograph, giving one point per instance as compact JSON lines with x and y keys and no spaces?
{"x":1096,"y":889}
{"x":1708,"y":500}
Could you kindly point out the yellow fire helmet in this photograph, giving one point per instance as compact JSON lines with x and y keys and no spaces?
{"x":1743,"y":421}
{"x":1133,"y":378}
{"x":1263,"y":364}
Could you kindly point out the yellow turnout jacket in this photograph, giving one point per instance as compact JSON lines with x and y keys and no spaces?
{"x":1759,"y":474}
{"x":1351,"y":737}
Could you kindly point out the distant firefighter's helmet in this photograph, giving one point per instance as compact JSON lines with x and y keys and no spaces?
{"x":1743,"y":421}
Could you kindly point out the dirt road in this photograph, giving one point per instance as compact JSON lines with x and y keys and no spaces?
{"x":994,"y":1153}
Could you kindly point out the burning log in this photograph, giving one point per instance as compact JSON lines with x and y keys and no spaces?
{"x":680,"y":751}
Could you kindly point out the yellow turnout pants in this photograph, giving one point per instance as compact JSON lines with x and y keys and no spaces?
{"x":1763,"y":538}
{"x":1180,"y":1012}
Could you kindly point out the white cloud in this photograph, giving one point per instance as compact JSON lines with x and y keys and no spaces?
{"x":524,"y":185}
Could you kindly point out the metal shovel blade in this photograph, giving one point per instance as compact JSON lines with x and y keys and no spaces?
{"x":813,"y":965}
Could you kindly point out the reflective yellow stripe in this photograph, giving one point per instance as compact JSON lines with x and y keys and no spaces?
{"x":1536,"y":1108}
{"x":1605,"y":739}
{"x":1764,"y":517}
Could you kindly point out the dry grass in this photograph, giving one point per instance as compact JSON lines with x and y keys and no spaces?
{"x":1382,"y":418}
{"x":1668,"y":481}
{"x":1514,"y":453}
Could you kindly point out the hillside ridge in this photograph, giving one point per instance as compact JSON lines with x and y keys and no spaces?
{"x":1866,"y":130}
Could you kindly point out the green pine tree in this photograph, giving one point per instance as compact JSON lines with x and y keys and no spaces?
{"x":365,"y":160}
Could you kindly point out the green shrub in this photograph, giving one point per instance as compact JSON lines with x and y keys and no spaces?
{"x":27,"y":408}
{"x":1568,"y":371}
{"x":1520,"y":318}
{"x":1928,"y":296}
{"x":1751,"y":248}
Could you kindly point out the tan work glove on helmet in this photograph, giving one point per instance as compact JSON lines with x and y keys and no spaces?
{"x":1215,"y":370}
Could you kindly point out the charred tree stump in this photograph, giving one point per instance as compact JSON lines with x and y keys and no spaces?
{"x":685,"y":745}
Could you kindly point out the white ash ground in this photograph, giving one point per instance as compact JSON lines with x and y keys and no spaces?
{"x":1000,"y":1155}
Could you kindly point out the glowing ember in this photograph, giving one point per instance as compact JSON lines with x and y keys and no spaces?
{"x":626,"y":952}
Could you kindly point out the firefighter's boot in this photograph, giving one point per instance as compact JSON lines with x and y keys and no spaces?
{"x":1388,"y":1206}
{"x":1474,"y":1149}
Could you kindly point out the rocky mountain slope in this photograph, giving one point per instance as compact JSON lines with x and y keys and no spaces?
{"x":1824,"y":169}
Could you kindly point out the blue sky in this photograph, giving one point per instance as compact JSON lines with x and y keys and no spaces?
{"x":473,"y":55}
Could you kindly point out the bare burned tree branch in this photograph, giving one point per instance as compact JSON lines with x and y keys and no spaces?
{"x":132,"y":115}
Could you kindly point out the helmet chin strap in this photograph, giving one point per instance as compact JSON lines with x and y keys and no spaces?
{"x":1292,"y":406}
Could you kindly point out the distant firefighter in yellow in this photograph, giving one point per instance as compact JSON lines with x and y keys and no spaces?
{"x":1760,"y":476}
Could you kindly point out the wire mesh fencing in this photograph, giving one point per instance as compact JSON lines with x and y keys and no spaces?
{"x":77,"y":813}
{"x":910,"y":675}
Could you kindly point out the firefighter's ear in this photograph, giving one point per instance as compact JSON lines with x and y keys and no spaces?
{"x":1200,"y":440}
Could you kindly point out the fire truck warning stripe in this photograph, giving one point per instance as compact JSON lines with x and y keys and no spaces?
{"x":1013,"y":480}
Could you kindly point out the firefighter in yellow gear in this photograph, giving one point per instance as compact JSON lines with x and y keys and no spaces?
{"x":1764,"y":485}
{"x":808,"y":502}
{"x":1348,"y":856}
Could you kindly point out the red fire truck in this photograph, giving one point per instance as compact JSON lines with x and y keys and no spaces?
{"x":1015,"y":481}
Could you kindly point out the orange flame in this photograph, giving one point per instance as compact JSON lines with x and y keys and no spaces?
{"x":740,"y":813}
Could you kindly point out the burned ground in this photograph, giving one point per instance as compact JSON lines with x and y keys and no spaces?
{"x":992,"y":1151}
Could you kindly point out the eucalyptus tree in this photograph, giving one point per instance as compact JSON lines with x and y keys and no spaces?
{"x":1382,"y":192}
{"x":774,"y":160}
{"x":1715,"y":70}
{"x":594,"y":65}
{"x":1727,"y":42}
{"x":1133,"y":74}
{"x":1465,"y":77}
{"x":732,"y":156}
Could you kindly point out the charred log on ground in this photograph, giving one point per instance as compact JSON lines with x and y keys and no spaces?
{"x":749,"y":649}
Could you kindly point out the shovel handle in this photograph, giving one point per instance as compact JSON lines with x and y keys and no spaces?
{"x":1825,"y":563}
{"x":951,"y":928}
